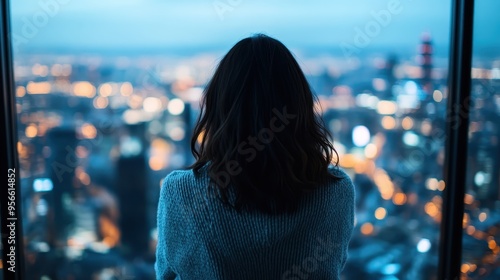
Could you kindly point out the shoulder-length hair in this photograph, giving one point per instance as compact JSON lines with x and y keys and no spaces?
{"x":258,"y":130}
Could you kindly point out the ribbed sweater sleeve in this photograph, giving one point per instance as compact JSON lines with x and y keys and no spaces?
{"x":350,"y":202}
{"x":162,"y":266}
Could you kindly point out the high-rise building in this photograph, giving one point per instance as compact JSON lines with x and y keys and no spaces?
{"x":63,"y":161}
{"x":389,"y":68}
{"x":132,"y":191}
{"x":425,"y":61}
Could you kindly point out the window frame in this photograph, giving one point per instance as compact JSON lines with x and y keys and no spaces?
{"x":8,"y":155}
{"x":459,"y":81}
{"x":457,"y":129}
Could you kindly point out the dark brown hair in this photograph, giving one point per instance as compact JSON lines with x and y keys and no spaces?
{"x":258,"y":130}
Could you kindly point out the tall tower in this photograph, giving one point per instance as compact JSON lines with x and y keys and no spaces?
{"x":425,"y":62}
{"x":132,"y":188}
{"x":390,"y":65}
{"x":62,"y":162}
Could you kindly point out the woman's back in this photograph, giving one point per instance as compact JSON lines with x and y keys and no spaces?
{"x":262,"y":200}
{"x":202,"y":238}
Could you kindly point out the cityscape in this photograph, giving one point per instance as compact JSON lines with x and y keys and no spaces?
{"x":84,"y":120}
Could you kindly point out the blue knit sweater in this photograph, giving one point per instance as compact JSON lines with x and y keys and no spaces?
{"x":200,"y":238}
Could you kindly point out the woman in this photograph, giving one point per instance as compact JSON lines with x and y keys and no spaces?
{"x":262,"y":200}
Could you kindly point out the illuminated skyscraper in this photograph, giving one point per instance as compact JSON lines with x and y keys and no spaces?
{"x":389,"y":69}
{"x":425,"y":61}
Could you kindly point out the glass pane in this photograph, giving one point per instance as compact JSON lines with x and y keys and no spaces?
{"x":107,"y":95}
{"x":482,"y":199}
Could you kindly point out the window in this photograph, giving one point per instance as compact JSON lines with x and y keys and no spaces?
{"x":106,"y":95}
{"x":480,"y":223}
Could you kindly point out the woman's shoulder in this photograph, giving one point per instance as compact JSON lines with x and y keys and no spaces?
{"x":338,"y":172}
{"x":342,"y":180}
{"x":177,"y":174}
{"x":180,"y":178}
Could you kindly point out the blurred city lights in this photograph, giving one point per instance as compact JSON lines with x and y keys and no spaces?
{"x":391,"y":269}
{"x":135,"y":101}
{"x":31,"y":131}
{"x":411,"y":139}
{"x":176,"y":133}
{"x":105,"y":90}
{"x":362,"y":100}
{"x":441,"y":185}
{"x":481,"y":178}
{"x":20,"y":91}
{"x":426,"y":127}
{"x":88,"y":131}
{"x":380,"y":213}
{"x":40,"y":70}
{"x":371,"y":151}
{"x":100,"y":102}
{"x":360,"y":135}
{"x":367,"y":229}
{"x":126,"y":89}
{"x":175,"y":106}
{"x":84,"y":89}
{"x":407,"y":123}
{"x":482,"y":217}
{"x":42,"y":207}
{"x":390,"y":185}
{"x":411,"y":87}
{"x":386,"y":107}
{"x":132,"y":116}
{"x":437,"y":96}
{"x":157,"y":163}
{"x":388,"y":122}
{"x":130,"y":146}
{"x":432,"y":184}
{"x":424,"y":245}
{"x":152,"y":104}
{"x":38,"y":87}
{"x":399,"y":199}
{"x":42,"y":185}
{"x":468,"y":199}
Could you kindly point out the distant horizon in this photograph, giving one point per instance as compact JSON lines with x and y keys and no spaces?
{"x":142,"y":23}
{"x":404,"y":51}
{"x":189,"y":27}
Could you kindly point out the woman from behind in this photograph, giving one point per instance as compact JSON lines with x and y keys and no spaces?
{"x":265,"y":198}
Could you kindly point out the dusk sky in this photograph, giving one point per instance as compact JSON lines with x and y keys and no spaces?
{"x":156,"y":24}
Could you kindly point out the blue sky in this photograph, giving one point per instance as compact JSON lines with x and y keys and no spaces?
{"x":156,"y":24}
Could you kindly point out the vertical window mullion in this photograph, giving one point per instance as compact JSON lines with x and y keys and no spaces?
{"x":10,"y":190}
{"x":457,"y":121}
